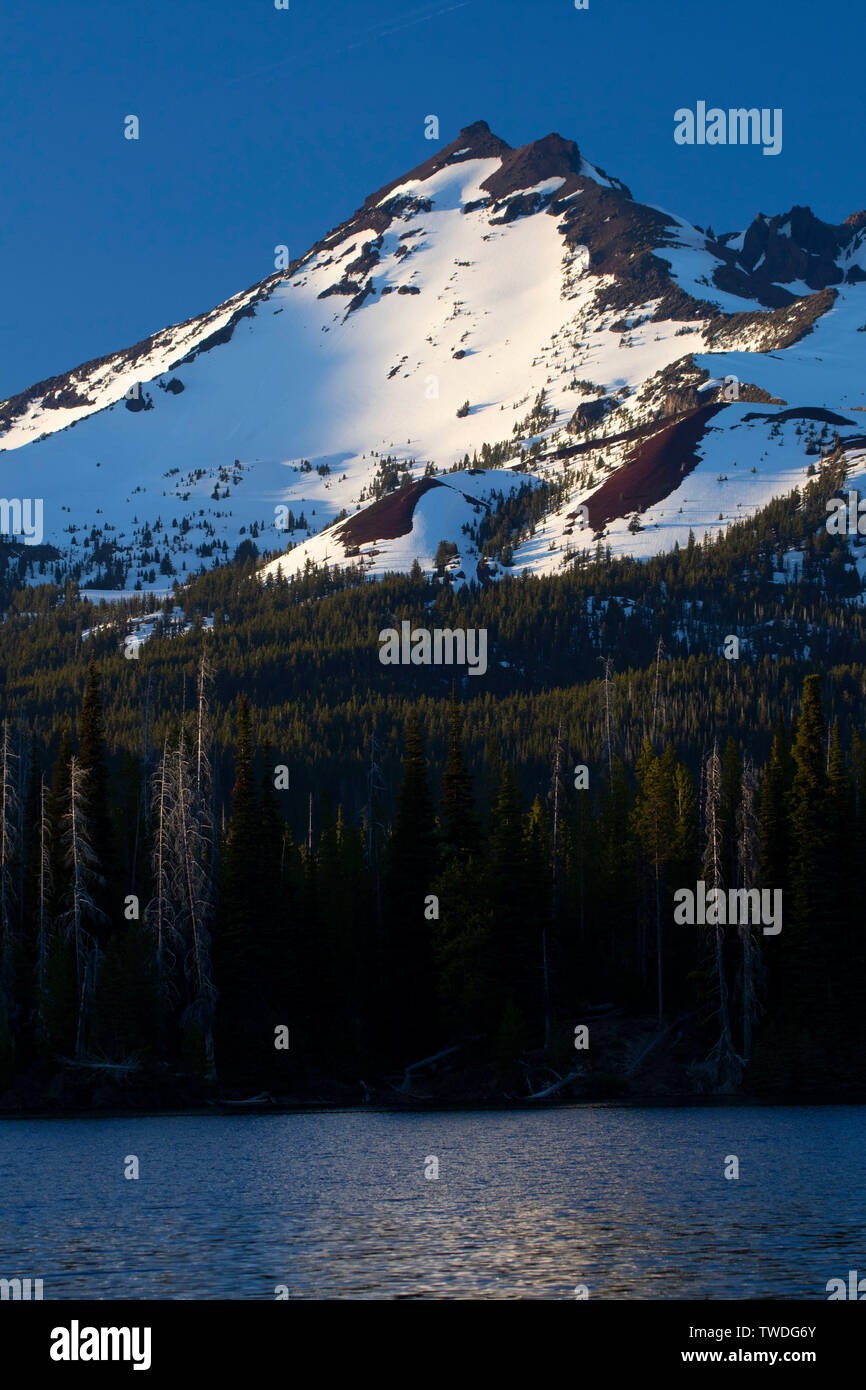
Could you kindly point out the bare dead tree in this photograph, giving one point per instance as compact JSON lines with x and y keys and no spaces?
{"x":81,"y":862}
{"x":182,"y":909}
{"x":25,"y":759}
{"x":45,"y":882}
{"x":158,"y":913}
{"x":204,"y":786}
{"x":748,"y":845}
{"x":191,"y":879}
{"x":607,"y":662}
{"x":659,"y":650}
{"x":203,"y":816}
{"x":556,"y":797}
{"x":723,"y":1060}
{"x":142,"y":809}
{"x":10,"y":853}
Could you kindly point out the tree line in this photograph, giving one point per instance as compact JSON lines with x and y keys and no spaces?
{"x":155,"y":912}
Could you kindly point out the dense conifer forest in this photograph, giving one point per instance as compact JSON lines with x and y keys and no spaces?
{"x":252,"y":858}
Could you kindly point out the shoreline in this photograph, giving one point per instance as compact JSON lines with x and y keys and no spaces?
{"x":479,"y":1106}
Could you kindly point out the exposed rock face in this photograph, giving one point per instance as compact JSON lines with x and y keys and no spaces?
{"x":344,"y":286}
{"x":677,"y":402}
{"x":590,"y":413}
{"x":361,"y":297}
{"x":796,"y":248}
{"x":387,"y":518}
{"x":621,"y":237}
{"x":656,"y":466}
{"x":66,"y":396}
{"x":519,"y":205}
{"x":797,"y":245}
{"x":368,"y":258}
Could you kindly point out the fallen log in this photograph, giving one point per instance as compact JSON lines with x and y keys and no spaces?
{"x":630,"y":1071}
{"x":426,"y":1062}
{"x":101,"y":1066}
{"x":557,"y":1086}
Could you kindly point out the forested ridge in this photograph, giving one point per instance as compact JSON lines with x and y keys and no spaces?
{"x":254,"y":858}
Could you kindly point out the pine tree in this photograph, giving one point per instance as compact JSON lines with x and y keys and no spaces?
{"x":463,"y":934}
{"x":56,"y":807}
{"x":539,"y":910}
{"x":344,"y":903}
{"x":809,"y":840}
{"x":773,"y":816}
{"x":93,"y":763}
{"x":460,"y":829}
{"x":411,"y":866}
{"x":841,"y":903}
{"x":515,"y":962}
{"x":612,"y":898}
{"x":683,"y":869}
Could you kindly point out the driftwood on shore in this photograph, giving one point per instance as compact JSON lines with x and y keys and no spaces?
{"x":264,"y":1099}
{"x":633,"y":1066}
{"x":425,"y":1062}
{"x":557,"y":1085}
{"x":85,"y":1065}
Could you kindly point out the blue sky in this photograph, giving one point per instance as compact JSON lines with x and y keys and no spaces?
{"x":262,"y":126}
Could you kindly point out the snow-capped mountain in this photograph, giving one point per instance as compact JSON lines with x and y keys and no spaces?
{"x":501,"y":350}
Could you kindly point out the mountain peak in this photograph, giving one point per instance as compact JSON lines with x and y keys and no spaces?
{"x":475,"y":141}
{"x":484,"y":280}
{"x":478,"y":130}
{"x":550,"y":157}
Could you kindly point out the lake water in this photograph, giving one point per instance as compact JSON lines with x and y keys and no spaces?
{"x":631,"y":1203}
